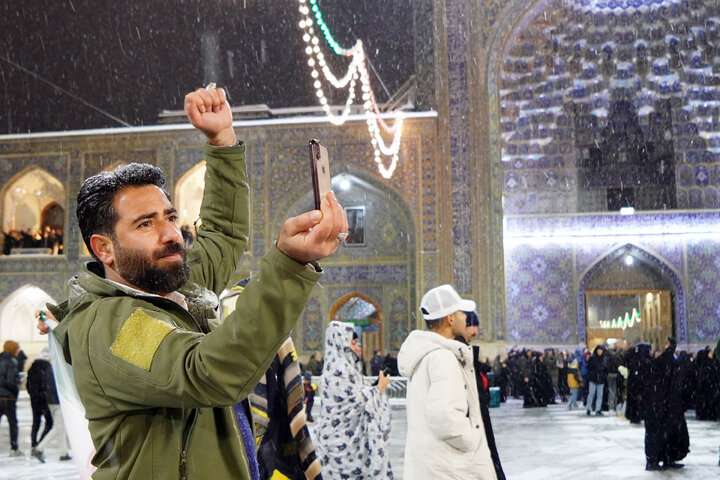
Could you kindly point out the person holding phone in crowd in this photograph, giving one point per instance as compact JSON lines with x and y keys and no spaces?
{"x":158,"y":377}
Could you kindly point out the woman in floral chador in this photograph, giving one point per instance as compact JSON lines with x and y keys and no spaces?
{"x":353,"y":430}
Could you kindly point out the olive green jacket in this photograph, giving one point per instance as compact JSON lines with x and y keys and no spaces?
{"x":158,"y":383}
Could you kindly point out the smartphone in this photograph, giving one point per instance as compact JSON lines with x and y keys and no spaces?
{"x":320,"y":168}
{"x":385,"y":371}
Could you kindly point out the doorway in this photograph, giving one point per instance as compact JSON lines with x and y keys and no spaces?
{"x":629,"y":315}
{"x":366,"y":314}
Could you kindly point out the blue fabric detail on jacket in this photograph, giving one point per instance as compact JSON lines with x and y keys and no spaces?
{"x":248,"y":440}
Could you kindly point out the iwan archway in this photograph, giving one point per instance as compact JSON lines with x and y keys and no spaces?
{"x":629,"y":294}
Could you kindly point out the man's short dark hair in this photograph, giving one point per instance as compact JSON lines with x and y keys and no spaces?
{"x":95,"y":212}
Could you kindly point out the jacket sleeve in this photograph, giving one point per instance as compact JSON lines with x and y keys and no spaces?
{"x":188,"y":369}
{"x":446,"y":407}
{"x":224,"y":213}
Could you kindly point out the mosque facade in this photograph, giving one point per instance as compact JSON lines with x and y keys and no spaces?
{"x":549,"y":118}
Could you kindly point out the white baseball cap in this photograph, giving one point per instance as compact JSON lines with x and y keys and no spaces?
{"x":443,"y":300}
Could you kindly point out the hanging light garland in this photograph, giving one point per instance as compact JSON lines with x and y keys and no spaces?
{"x":356,"y":70}
{"x":627,"y":322}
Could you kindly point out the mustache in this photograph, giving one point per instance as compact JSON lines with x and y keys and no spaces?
{"x":170,"y":249}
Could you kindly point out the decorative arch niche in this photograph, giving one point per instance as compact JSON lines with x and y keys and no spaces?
{"x":577,"y":85}
{"x":382,"y":267}
{"x":33,"y":199}
{"x":189,"y":191}
{"x":17,"y":317}
{"x":655,"y":267}
{"x":365,"y":313}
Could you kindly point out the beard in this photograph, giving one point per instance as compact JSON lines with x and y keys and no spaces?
{"x":145,"y":273}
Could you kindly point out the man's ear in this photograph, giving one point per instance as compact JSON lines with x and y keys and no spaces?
{"x":103,"y":248}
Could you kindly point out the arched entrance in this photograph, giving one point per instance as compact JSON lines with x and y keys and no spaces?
{"x":632,"y":295}
{"x":17,"y":317}
{"x":366,"y":314}
{"x":189,"y":191}
{"x":53,"y":216}
{"x":32,"y":200}
{"x":381,"y":266}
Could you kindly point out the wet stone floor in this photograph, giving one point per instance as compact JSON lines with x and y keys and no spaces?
{"x":534,"y":444}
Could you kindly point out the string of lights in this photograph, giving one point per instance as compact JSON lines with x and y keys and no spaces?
{"x":356,"y":70}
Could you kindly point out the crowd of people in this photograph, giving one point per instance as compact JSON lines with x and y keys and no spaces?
{"x":47,"y":237}
{"x":170,"y":390}
{"x":44,"y":402}
{"x":617,"y":375}
{"x":655,"y":387}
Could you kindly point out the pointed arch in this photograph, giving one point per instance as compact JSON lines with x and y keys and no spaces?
{"x":27,"y":195}
{"x":391,"y":240}
{"x":375,"y":319}
{"x":660,"y":265}
{"x":17,"y":315}
{"x":189,"y":191}
{"x":301,"y":195}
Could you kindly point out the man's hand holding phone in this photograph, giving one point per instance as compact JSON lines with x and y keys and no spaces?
{"x":314,"y":235}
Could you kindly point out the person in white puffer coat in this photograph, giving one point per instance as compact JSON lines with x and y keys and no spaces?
{"x":445,"y":435}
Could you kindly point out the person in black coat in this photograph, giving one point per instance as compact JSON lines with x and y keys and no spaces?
{"x":500,"y":374}
{"x":666,"y":437}
{"x":544,"y":381}
{"x":597,"y":376}
{"x":707,"y":393}
{"x":638,"y":365}
{"x":562,"y":366}
{"x":471,"y":329}
{"x":377,"y":363}
{"x":678,"y":439}
{"x":514,"y":375}
{"x":40,"y":387}
{"x":526,"y":367}
{"x":9,"y":388}
{"x":687,"y":370}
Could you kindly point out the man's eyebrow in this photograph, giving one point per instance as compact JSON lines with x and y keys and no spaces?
{"x":145,"y":216}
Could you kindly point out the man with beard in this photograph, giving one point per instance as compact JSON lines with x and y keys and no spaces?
{"x":472,"y":325}
{"x":445,"y":435}
{"x":157,"y":375}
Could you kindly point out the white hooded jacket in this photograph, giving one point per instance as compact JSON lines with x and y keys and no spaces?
{"x":445,"y":436}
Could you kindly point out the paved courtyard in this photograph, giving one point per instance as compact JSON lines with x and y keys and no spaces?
{"x":534,"y":444}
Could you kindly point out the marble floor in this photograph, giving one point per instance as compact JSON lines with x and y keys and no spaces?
{"x":534,"y":444}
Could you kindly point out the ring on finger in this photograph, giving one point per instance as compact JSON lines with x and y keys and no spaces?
{"x":342,"y":236}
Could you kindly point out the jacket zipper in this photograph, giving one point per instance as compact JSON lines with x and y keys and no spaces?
{"x":187,"y":431}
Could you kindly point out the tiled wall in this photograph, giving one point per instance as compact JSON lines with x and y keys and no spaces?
{"x":564,"y":70}
{"x":387,"y":268}
{"x":549,"y":261}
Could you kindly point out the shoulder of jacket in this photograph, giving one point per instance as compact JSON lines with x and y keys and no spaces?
{"x":115,"y":310}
